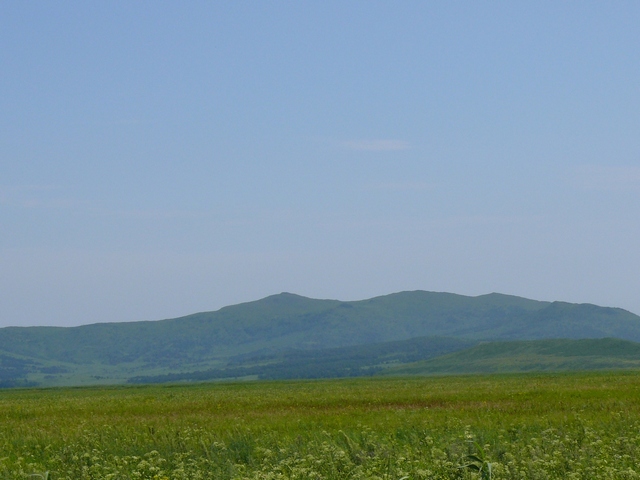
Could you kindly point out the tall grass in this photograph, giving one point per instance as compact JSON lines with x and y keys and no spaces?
{"x":569,"y":426}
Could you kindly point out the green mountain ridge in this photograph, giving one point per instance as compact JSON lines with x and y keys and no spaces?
{"x":116,"y":352}
{"x":360,"y":360}
{"x":531,"y":355}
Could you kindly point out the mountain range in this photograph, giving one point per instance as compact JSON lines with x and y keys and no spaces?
{"x":290,"y":336}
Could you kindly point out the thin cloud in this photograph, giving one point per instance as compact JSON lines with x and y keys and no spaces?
{"x":379,"y":145}
{"x":607,"y":178}
{"x":32,"y":196}
{"x":170,"y":214}
{"x":12,"y":189}
{"x":400,"y":186}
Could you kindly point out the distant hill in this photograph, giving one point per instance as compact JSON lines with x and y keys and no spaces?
{"x":356,"y":361}
{"x":527,"y":356}
{"x":116,"y":352}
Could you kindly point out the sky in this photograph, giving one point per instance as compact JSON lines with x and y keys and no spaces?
{"x":163,"y":158}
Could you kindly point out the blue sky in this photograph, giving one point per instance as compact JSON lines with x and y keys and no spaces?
{"x":163,"y":158}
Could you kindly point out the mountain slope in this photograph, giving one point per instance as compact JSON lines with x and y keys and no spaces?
{"x":354,"y":361}
{"x":533,"y":355}
{"x":190,"y":338}
{"x":286,"y":322}
{"x":291,"y":321}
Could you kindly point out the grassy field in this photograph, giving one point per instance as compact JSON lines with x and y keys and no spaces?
{"x":552,"y":426}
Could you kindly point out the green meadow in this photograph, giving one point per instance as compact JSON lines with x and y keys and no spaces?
{"x":510,"y":426}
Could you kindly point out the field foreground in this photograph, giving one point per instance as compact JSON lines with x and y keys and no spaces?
{"x":554,"y":426}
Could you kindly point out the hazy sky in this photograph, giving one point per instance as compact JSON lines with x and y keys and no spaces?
{"x":163,"y":158}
